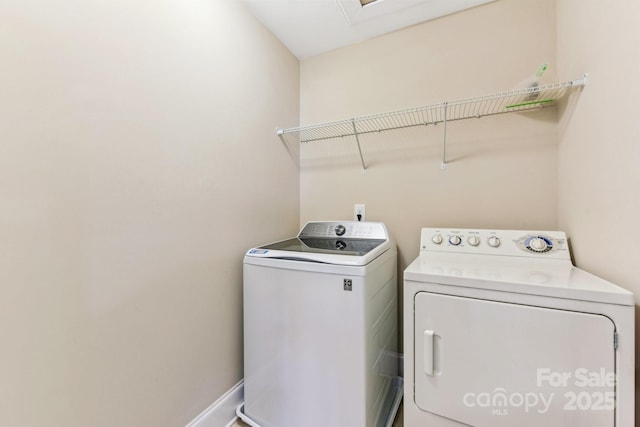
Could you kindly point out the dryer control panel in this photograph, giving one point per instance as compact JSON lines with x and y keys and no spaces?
{"x":520,"y":243}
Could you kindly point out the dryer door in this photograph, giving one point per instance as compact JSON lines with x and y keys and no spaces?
{"x":486,"y":363}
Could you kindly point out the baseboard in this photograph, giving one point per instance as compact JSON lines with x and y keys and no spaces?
{"x":222,"y":412}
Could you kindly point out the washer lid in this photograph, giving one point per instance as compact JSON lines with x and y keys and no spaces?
{"x":342,"y":243}
{"x":555,"y":278}
{"x":357,"y":247}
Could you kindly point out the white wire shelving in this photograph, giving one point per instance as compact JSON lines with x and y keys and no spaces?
{"x":519,"y":100}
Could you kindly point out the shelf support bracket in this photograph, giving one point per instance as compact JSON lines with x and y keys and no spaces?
{"x":355,"y":133}
{"x":444,"y":139}
{"x":580,"y":82}
{"x":280,"y":133}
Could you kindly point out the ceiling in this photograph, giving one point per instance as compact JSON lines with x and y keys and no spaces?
{"x":310,"y":27}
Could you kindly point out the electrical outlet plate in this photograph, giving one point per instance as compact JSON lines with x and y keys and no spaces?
{"x":358,"y":209}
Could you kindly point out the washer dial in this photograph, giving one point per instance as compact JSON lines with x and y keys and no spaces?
{"x":473,"y":240}
{"x":455,"y":240}
{"x":437,"y":239}
{"x":340,"y":230}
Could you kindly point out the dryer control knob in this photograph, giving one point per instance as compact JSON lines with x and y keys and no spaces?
{"x":538,"y":244}
{"x":437,"y":239}
{"x":455,"y":240}
{"x":474,"y":240}
{"x":340,"y":230}
{"x":494,"y":241}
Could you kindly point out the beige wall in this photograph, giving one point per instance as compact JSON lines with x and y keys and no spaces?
{"x":502,"y":171}
{"x":599,"y":155}
{"x":137,"y":164}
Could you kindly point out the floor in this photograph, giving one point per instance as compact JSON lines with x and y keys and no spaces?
{"x":397,"y":423}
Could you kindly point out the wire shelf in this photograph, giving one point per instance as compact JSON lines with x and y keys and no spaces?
{"x":531,"y":98}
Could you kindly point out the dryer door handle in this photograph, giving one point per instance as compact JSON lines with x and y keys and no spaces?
{"x":427,"y":353}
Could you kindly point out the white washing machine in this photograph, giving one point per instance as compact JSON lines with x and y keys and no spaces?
{"x":500,"y":329}
{"x":320,"y":328}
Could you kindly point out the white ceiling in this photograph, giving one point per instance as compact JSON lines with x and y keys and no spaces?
{"x":310,"y":27}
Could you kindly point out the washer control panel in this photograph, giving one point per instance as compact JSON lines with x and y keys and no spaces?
{"x":548,"y":244}
{"x":345,"y":229}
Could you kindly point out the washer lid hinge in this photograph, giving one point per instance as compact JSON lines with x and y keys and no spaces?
{"x":615,"y":340}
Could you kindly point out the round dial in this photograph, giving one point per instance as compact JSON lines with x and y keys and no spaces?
{"x":340,"y":230}
{"x":539,"y":244}
{"x":340,"y":245}
{"x":437,"y":239}
{"x":455,"y":240}
{"x":494,"y":241}
{"x":473,"y":240}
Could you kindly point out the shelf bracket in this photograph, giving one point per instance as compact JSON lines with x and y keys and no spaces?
{"x":444,"y":139}
{"x":580,"y":82}
{"x":280,"y":133}
{"x":355,"y":133}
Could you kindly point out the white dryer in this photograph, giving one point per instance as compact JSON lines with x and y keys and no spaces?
{"x":320,"y":328}
{"x":500,"y":329}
